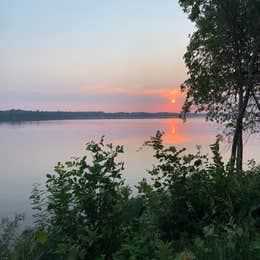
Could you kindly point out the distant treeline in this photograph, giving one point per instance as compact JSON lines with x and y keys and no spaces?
{"x":25,"y":115}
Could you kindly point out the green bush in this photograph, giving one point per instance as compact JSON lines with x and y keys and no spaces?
{"x":189,"y":193}
{"x":85,"y":203}
{"x":192,"y":208}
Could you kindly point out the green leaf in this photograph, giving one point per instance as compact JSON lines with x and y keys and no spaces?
{"x":69,"y":164}
{"x":42,"y":237}
{"x":62,"y":247}
{"x":157,"y":184}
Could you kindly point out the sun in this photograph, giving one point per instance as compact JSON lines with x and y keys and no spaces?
{"x":173,"y":100}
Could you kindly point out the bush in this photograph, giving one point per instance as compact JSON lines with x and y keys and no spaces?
{"x":189,"y":193}
{"x":193,"y":208}
{"x":85,"y":203}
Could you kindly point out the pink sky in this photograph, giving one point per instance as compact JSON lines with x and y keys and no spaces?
{"x":100,"y":99}
{"x":93,"y":55}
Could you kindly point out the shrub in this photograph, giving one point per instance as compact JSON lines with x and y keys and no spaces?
{"x":85,"y":199}
{"x":192,"y":208}
{"x":189,"y":193}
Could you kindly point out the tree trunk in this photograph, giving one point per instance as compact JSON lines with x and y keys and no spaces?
{"x":237,"y":145}
{"x":239,"y":159}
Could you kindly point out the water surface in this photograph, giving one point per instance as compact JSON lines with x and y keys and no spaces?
{"x":30,"y":150}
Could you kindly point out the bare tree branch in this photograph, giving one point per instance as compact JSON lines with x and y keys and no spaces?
{"x":256,"y":100}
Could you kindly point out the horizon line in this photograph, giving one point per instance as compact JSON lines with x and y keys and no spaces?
{"x":87,"y":111}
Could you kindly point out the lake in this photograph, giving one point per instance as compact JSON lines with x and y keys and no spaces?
{"x":30,"y":150}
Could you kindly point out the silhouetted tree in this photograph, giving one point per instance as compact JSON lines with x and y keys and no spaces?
{"x":223,"y":60}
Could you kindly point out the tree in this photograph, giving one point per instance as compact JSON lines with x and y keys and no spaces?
{"x":223,"y":60}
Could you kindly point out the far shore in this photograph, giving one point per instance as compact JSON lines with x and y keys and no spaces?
{"x":16,"y":115}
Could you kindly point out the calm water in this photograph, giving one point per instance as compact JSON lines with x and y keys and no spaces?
{"x":29,"y":151}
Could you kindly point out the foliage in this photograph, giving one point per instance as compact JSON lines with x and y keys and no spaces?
{"x":223,"y":60}
{"x":8,"y":235}
{"x":221,"y":52}
{"x":85,"y":201}
{"x":192,"y":208}
{"x":189,"y":193}
{"x":236,"y":242}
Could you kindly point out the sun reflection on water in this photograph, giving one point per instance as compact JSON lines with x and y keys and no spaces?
{"x":172,"y":136}
{"x":172,"y":129}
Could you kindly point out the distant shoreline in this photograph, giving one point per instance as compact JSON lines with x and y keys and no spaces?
{"x":27,"y":115}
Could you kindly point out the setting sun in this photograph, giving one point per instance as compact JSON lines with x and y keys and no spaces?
{"x":173,"y":100}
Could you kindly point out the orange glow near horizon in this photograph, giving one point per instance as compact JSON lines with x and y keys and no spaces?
{"x":172,"y":136}
{"x":173,"y":129}
{"x":135,"y":100}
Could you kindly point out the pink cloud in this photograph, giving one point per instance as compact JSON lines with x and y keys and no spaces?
{"x":99,"y":99}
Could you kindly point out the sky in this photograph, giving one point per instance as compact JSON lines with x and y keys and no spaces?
{"x":92,"y":55}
